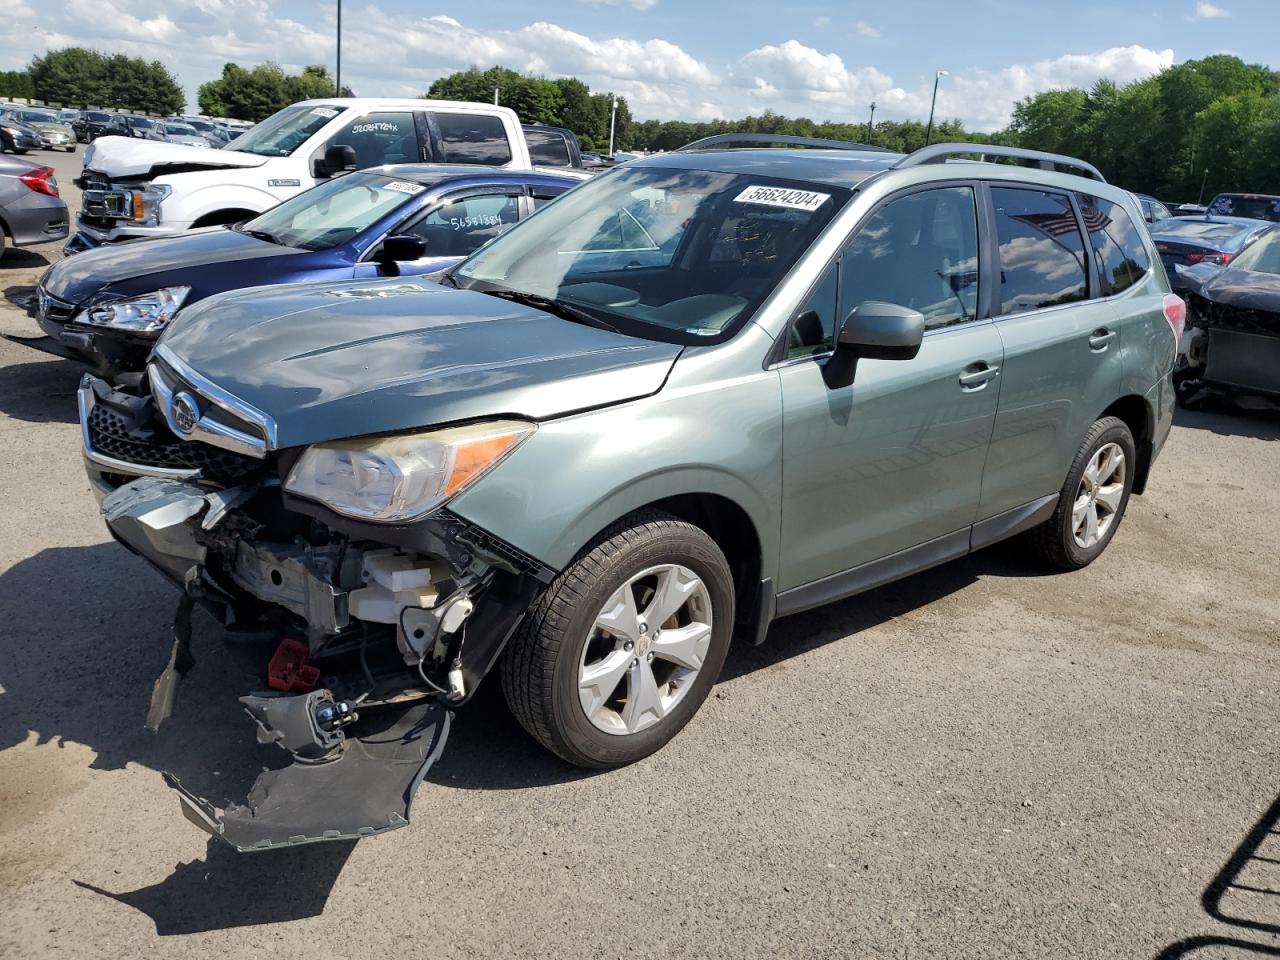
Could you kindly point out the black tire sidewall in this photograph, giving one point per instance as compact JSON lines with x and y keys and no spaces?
{"x":1117,"y":433}
{"x":591,"y":745}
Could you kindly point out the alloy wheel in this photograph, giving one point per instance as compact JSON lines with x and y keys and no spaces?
{"x":645,"y":649}
{"x":1099,"y":495}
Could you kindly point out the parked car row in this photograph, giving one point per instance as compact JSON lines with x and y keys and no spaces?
{"x":51,"y":131}
{"x":420,"y":409}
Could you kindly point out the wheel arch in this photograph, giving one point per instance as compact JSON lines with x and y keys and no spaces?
{"x":226,"y":215}
{"x":1139,"y":417}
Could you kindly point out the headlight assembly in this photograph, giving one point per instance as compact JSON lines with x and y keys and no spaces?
{"x":144,"y":205}
{"x":394,"y":479}
{"x":147,"y":313}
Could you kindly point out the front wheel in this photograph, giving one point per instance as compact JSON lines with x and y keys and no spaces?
{"x":624,"y":646}
{"x":1093,"y":498}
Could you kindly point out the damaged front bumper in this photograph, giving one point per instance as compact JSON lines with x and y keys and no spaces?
{"x":397,"y":626}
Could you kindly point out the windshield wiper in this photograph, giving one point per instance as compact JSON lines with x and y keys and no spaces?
{"x":261,"y":235}
{"x":551,"y":305}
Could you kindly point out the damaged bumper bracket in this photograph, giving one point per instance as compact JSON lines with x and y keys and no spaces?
{"x":367,"y":790}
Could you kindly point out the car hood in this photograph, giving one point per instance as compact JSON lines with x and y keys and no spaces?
{"x":199,"y":254}
{"x":1244,"y":289}
{"x":52,"y":128}
{"x":326,"y":361}
{"x":135,"y":157}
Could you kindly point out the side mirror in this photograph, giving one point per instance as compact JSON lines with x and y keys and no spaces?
{"x":874,"y":330}
{"x":338,"y":158}
{"x":401,"y":248}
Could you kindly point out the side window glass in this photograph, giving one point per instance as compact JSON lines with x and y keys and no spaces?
{"x":1041,"y":252}
{"x":541,"y":200}
{"x":918,"y":251}
{"x":1117,"y":245}
{"x":459,"y":228}
{"x":813,"y":328}
{"x":379,"y":138}
{"x":468,"y":138}
{"x":548,"y":149}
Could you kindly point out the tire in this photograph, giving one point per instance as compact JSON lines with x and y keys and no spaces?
{"x":560,"y":641}
{"x":1057,"y":541}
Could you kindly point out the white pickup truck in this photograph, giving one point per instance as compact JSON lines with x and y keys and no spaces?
{"x":142,"y":188}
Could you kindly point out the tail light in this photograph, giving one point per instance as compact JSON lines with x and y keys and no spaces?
{"x":41,"y":180}
{"x":1222,"y":259}
{"x":1175,"y":311}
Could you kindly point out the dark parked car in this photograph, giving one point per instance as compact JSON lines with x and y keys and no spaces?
{"x":98,"y":123}
{"x":54,"y":133}
{"x":1257,"y":206}
{"x":552,"y":146}
{"x":16,"y":137}
{"x":109,"y":304}
{"x":30,"y":209}
{"x":1232,"y":339}
{"x":1186,"y":241}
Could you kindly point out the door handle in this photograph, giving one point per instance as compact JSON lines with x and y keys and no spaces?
{"x":978,"y":375}
{"x":1100,"y":339}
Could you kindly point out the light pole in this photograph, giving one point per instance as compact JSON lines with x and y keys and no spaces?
{"x":495,"y":95}
{"x":338,"y":79}
{"x":871,"y":120}
{"x":928,"y":134}
{"x":613,"y":116}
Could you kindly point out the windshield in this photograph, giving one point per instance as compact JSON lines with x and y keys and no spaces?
{"x":37,"y":116}
{"x":683,"y":256}
{"x":180,"y":129}
{"x":1242,"y":205}
{"x":1263,"y":256}
{"x":284,"y":131}
{"x":142,"y":123}
{"x":94,"y":115}
{"x":333,"y":212}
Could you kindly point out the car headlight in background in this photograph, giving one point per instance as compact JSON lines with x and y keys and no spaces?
{"x":147,"y":313}
{"x":393,"y":479}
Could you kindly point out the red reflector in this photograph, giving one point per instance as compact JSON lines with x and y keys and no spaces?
{"x":41,"y":180}
{"x":289,"y":670}
{"x":1175,"y":311}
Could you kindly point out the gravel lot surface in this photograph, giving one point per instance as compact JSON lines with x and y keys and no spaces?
{"x":981,"y":761}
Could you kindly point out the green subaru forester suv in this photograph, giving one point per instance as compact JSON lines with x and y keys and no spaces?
{"x":698,"y":393}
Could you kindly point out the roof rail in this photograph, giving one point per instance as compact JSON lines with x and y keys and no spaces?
{"x":939,"y":152}
{"x":725,"y":140}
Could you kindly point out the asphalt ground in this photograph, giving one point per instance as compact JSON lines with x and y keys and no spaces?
{"x":981,"y":761}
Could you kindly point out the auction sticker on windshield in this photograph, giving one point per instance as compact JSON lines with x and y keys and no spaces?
{"x":404,"y":186}
{"x":782,"y":197}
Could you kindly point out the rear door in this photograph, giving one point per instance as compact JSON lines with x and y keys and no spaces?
{"x":1063,"y":362}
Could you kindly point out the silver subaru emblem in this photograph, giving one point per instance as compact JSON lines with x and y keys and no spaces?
{"x":184,"y":412}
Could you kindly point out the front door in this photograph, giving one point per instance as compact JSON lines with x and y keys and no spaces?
{"x":895,"y":459}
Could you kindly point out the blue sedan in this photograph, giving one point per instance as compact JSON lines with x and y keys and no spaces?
{"x":108,"y":305}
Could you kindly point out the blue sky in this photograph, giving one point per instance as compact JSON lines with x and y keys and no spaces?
{"x":689,"y":59}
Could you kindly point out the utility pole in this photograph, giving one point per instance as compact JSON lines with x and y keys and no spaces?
{"x":1200,"y":198}
{"x":928,"y":134}
{"x":613,"y":116}
{"x":338,"y":79}
{"x":871,"y":121}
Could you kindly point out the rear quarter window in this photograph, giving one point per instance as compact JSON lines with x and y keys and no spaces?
{"x":548,"y":149}
{"x":1117,"y":244}
{"x":467,"y":138}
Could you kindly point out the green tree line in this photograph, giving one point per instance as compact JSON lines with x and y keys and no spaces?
{"x":78,"y":77}
{"x":257,"y":93}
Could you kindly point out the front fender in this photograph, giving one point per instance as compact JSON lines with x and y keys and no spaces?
{"x":577,"y":475}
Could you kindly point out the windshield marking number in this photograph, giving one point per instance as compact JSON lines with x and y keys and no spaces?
{"x":782,"y":197}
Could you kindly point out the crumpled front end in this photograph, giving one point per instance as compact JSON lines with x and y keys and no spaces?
{"x":371,"y":634}
{"x":1232,"y":341}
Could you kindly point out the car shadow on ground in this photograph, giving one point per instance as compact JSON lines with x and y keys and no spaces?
{"x":41,"y":391}
{"x":19,"y":258}
{"x":1244,"y":894}
{"x":1222,"y":416}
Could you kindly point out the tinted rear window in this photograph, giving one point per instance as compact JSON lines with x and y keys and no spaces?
{"x":1240,"y":205}
{"x":466,"y":138}
{"x":548,"y":149}
{"x":1117,"y":244}
{"x":1041,"y":251}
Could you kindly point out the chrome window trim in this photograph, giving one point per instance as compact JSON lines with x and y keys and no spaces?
{"x":85,"y":401}
{"x":207,"y":429}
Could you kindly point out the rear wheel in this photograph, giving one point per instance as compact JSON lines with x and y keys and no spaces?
{"x":1093,"y":498}
{"x":624,"y":646}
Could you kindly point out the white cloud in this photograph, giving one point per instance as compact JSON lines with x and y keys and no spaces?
{"x":822,"y":22}
{"x":634,"y":4}
{"x":867,"y":30}
{"x":396,"y":55}
{"x":1207,"y":11}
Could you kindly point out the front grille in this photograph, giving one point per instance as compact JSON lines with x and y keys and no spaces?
{"x":207,"y":408}
{"x":1243,"y":318}
{"x":109,"y":435}
{"x":51,"y":308}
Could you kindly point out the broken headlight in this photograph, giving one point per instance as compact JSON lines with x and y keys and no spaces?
{"x":393,"y":479}
{"x":147,"y":313}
